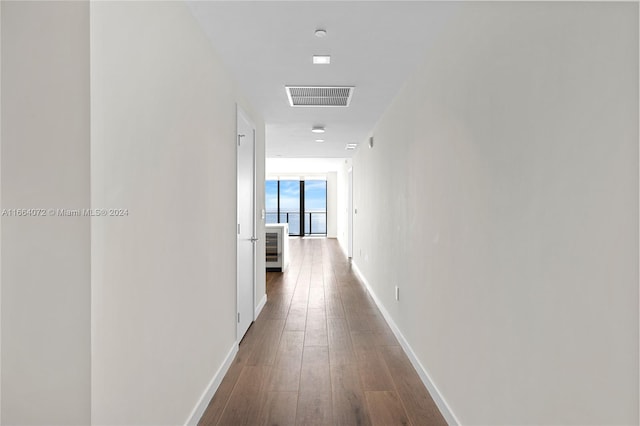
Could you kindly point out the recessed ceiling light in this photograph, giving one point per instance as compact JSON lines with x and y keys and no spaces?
{"x":319,"y":140}
{"x":321,"y":59}
{"x":351,"y":146}
{"x":320,"y":33}
{"x":317,"y":129}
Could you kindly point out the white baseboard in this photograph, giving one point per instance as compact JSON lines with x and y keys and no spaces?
{"x":444,"y":408}
{"x":211,"y":389}
{"x":261,"y":304}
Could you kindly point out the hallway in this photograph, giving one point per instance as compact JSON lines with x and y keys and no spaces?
{"x":320,"y":353}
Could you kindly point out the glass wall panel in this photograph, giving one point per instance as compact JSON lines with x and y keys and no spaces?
{"x":290,"y":205}
{"x":315,"y":207}
{"x":306,"y":212}
{"x":271,"y":201}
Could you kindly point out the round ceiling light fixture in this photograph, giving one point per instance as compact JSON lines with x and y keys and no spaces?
{"x":317,"y":129}
{"x":319,"y":140}
{"x":320,"y":33}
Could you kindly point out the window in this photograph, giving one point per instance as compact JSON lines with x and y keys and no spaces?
{"x":271,"y":201}
{"x":290,"y":201}
{"x":301,"y":204}
{"x":315,"y":207}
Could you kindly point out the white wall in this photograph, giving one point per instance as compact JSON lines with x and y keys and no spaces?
{"x":0,"y":210}
{"x":261,"y":267}
{"x":342,"y":227}
{"x":502,"y":197}
{"x":163,"y":146}
{"x":45,"y":260}
{"x":332,"y":205}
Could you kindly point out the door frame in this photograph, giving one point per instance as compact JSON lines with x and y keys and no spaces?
{"x":350,"y":212}
{"x":241,"y":114}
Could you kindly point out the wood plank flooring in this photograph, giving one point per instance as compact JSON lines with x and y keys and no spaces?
{"x":320,"y":353}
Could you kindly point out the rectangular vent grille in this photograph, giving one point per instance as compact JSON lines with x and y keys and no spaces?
{"x":316,"y":96}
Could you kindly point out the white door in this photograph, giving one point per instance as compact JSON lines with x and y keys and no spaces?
{"x":246,"y":267}
{"x":350,"y":213}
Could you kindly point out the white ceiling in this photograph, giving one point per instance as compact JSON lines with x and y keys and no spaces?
{"x":374,"y":46}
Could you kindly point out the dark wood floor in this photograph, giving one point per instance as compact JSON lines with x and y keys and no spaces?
{"x":320,"y":353}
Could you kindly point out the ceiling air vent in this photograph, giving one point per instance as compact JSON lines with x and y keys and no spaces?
{"x":319,"y":96}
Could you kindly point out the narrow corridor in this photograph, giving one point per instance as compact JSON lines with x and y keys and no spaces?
{"x":320,"y":353}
